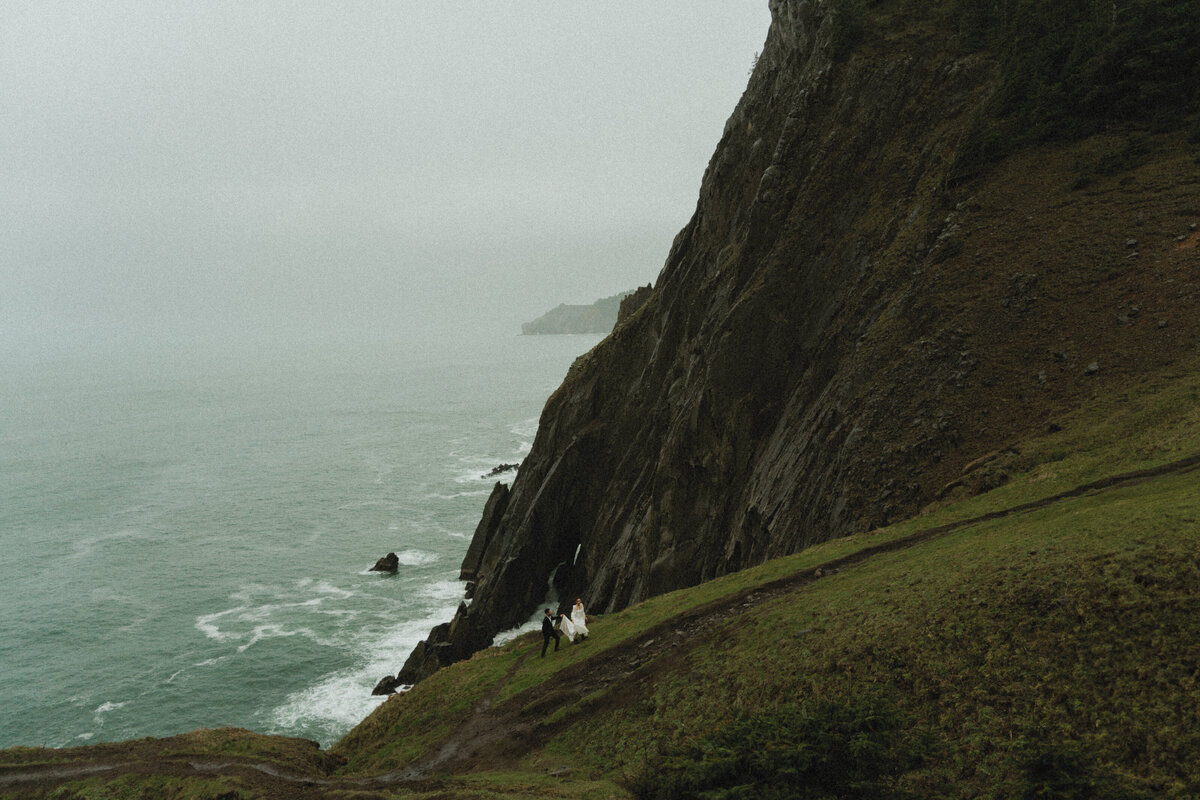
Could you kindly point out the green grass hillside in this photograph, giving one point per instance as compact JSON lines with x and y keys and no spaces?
{"x":1040,"y":640}
{"x":1049,"y":652}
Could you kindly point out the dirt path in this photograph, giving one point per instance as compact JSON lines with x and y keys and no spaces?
{"x":495,"y":737}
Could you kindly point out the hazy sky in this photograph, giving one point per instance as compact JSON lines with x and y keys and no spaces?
{"x":175,"y":170}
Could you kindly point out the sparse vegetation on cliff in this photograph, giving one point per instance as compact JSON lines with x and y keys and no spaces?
{"x":1074,"y":69}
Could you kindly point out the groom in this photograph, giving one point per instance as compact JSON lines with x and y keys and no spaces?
{"x":548,"y":623}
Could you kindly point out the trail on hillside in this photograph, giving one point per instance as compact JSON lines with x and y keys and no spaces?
{"x":495,"y":736}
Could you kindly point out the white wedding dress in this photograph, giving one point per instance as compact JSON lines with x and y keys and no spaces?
{"x":579,"y":621}
{"x":568,"y":627}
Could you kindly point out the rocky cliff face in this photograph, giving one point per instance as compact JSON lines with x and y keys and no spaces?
{"x":842,"y":333}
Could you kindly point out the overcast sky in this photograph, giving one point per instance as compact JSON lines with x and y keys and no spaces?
{"x":176,"y":170}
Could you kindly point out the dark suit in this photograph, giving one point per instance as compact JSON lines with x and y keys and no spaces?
{"x":548,"y":630}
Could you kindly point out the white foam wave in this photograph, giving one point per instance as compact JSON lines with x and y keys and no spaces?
{"x":105,"y":708}
{"x":265,"y":632}
{"x":417,"y":558}
{"x":222,"y":626}
{"x":445,"y":591}
{"x":476,"y":468}
{"x":327,"y":588}
{"x":456,"y":495}
{"x":337,"y":703}
{"x":475,"y":473}
{"x":346,"y":614}
{"x":504,"y":637}
{"x":206,"y":624}
{"x":525,"y":428}
{"x":340,"y":700}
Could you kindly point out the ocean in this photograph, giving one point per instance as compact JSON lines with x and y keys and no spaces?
{"x":186,"y":537}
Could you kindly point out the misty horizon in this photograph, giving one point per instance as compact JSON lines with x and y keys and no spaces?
{"x":183,"y":175}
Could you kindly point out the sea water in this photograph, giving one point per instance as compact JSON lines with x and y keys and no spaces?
{"x":186,"y":537}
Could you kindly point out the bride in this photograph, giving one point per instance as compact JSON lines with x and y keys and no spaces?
{"x":579,"y":620}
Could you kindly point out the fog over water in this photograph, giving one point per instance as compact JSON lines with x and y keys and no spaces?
{"x":195,"y":174}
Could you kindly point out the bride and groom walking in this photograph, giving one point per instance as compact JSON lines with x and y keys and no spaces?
{"x":574,"y":626}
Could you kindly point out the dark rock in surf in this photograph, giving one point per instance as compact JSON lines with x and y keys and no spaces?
{"x":501,"y":469}
{"x":387,"y":685}
{"x":389,"y":563}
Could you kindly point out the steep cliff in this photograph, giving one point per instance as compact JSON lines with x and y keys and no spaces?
{"x":887,"y":278}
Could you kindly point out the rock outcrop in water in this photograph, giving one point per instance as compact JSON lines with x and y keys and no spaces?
{"x":389,"y":563}
{"x":859,"y":316}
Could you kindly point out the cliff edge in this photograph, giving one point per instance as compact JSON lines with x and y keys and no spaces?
{"x":907,"y":252}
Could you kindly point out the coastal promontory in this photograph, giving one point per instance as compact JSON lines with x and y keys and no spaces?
{"x":599,"y":317}
{"x":925,"y":233}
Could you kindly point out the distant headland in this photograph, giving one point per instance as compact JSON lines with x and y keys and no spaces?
{"x":599,"y":317}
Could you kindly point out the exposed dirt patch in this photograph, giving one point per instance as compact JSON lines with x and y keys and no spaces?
{"x":1190,"y":242}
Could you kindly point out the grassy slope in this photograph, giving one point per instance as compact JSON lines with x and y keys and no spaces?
{"x":1074,"y":623}
{"x":1077,"y":623}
